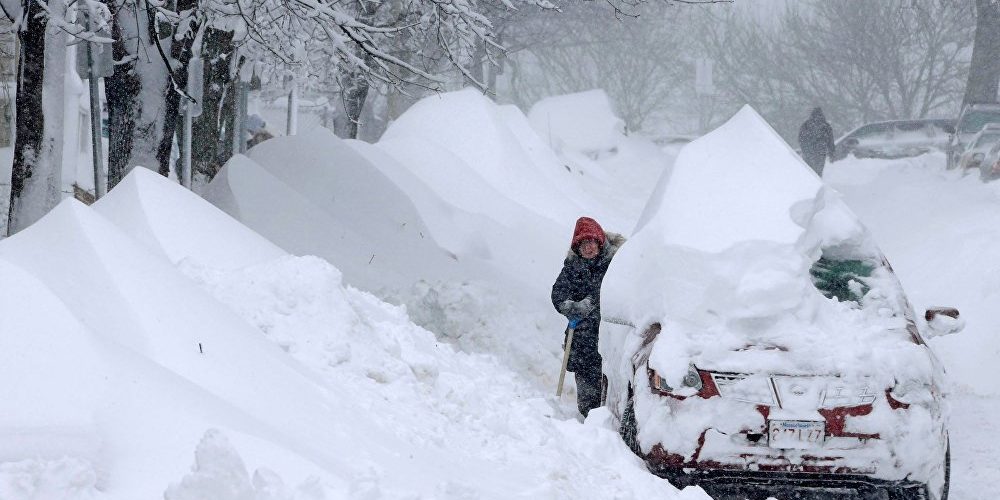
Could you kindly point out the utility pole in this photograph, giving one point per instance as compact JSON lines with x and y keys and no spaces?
{"x":292,"y":127}
{"x":192,"y":110}
{"x":97,"y":64}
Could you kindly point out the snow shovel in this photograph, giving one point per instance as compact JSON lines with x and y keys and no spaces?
{"x":569,"y":345}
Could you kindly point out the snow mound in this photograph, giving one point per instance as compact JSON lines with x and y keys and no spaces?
{"x":313,"y":194}
{"x":715,"y":197}
{"x":496,"y":143}
{"x":617,"y":171}
{"x":181,"y":225}
{"x":583,"y":121}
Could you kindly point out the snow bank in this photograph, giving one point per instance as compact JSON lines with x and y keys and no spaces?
{"x":588,"y":139}
{"x":181,"y":225}
{"x":495,"y":143}
{"x":313,"y":194}
{"x":583,"y":122}
{"x":274,"y":379}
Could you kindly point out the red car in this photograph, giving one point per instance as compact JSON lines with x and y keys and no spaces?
{"x":762,"y":433}
{"x":755,"y":338}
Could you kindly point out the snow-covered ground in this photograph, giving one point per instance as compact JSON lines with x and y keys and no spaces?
{"x":164,"y":350}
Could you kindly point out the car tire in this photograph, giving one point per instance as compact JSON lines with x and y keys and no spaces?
{"x":629,"y":429}
{"x":604,"y":390}
{"x":947,"y":478}
{"x":947,"y":470}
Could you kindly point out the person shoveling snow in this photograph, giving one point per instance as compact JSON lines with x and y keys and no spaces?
{"x":576,"y":294}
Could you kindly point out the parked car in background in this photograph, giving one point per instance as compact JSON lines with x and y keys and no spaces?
{"x":979,"y":145}
{"x":895,"y":139}
{"x":989,"y":168}
{"x":972,"y":119}
{"x":672,"y":143}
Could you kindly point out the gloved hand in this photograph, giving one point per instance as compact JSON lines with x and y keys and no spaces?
{"x":578,"y":308}
{"x":582,"y":308}
{"x":574,"y":321}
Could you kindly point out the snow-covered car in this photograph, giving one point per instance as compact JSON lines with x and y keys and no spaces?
{"x":971,"y":120}
{"x":980,"y":144}
{"x":895,"y":139}
{"x":756,"y":339}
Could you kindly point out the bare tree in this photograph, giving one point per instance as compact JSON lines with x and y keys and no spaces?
{"x":860,"y":61}
{"x":638,"y":61}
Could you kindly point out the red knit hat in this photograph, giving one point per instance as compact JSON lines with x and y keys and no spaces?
{"x":587,"y":229}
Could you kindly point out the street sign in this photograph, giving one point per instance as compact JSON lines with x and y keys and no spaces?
{"x":100,"y":54}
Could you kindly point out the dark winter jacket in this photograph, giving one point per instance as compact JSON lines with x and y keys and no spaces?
{"x":581,"y":278}
{"x":816,"y":140}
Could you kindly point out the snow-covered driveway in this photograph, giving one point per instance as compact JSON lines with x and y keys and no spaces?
{"x":941,"y":232}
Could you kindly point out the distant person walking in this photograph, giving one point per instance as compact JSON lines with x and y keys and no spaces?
{"x":576,"y":294}
{"x":816,"y":141}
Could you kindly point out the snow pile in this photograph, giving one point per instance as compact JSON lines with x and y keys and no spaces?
{"x":495,"y":143}
{"x":590,"y":141}
{"x":497,"y":238}
{"x":312,"y":194}
{"x":282,"y":381}
{"x":583,"y":122}
{"x":137,"y":208}
{"x":730,"y":257}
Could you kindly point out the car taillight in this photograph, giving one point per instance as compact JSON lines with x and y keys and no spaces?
{"x":910,"y":392}
{"x":996,"y":168}
{"x":690,"y":384}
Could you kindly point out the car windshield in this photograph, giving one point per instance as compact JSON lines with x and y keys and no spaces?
{"x":985,"y":140}
{"x":872,"y":130}
{"x":975,"y":120}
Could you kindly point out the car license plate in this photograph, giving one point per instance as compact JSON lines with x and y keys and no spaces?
{"x":795,"y":434}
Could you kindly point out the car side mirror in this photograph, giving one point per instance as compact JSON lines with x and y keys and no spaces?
{"x":949,"y":129}
{"x":943,"y":321}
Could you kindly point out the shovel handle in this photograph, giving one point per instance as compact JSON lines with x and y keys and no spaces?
{"x":565,"y":362}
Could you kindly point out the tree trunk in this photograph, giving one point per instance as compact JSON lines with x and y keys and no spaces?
{"x":356,"y":91}
{"x":984,"y":71}
{"x":182,"y":52}
{"x":355,"y":96}
{"x":36,"y":180}
{"x":137,"y":96}
{"x":210,"y":147}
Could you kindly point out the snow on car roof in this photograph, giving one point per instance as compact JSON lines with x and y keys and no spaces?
{"x":745,"y":257}
{"x":705,"y":205}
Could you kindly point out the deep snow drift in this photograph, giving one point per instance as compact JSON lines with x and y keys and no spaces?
{"x":305,"y":387}
{"x":148,"y":352}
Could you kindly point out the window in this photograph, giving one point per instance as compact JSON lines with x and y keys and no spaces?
{"x":975,"y":120}
{"x":841,"y":279}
